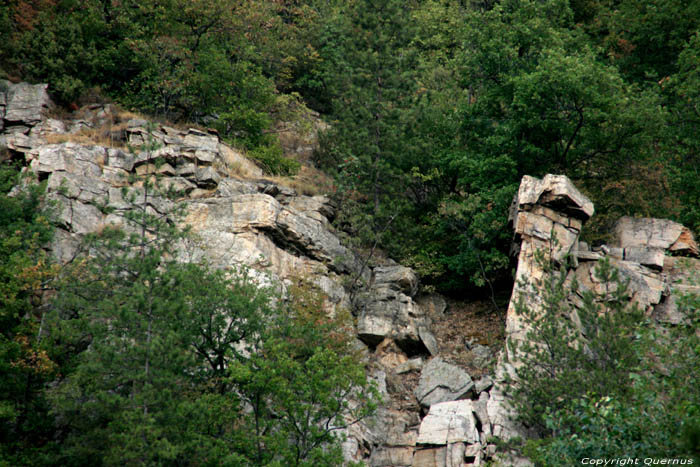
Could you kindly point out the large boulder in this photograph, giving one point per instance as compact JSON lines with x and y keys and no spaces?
{"x":398,"y":278}
{"x":442,"y":382}
{"x":556,"y":192}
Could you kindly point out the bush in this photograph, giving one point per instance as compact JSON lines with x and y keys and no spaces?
{"x":599,"y":380}
{"x":272,"y":159}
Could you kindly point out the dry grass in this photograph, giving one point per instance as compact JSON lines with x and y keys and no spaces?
{"x":89,"y":136}
{"x":309,"y":181}
{"x":463,"y":321}
{"x":110,"y":134}
{"x":235,"y":164}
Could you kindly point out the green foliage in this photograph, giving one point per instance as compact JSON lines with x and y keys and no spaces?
{"x":372,"y":91}
{"x":570,"y":352}
{"x":175,"y":356}
{"x":465,"y":102}
{"x":298,"y":385}
{"x":273,"y":161}
{"x":683,"y":90}
{"x":25,"y":363}
{"x":644,"y":40}
{"x":157,"y":336}
{"x":607,"y":429}
{"x":593,"y":379}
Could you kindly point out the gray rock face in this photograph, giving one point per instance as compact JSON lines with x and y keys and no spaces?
{"x":256,"y":223}
{"x":384,"y":312}
{"x":681,"y":279}
{"x":392,"y":456}
{"x":556,"y":192}
{"x":388,"y":310}
{"x":441,"y":382}
{"x":398,"y":278}
{"x":452,"y":455}
{"x":318,"y":207}
{"x":449,"y":422}
{"x":24,"y":104}
{"x":656,"y":234}
{"x":301,"y":233}
{"x":239,"y":220}
{"x":553,"y":208}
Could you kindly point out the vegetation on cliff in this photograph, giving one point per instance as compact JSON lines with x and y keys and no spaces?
{"x":602,"y":380}
{"x":437,"y":108}
{"x":132,"y":354}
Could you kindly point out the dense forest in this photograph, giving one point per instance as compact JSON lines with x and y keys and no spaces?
{"x":435,"y":110}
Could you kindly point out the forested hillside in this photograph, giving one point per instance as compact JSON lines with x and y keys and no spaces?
{"x":426,"y":115}
{"x":436,"y":108}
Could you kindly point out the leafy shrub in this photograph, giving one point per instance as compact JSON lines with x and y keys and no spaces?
{"x":272,"y":159}
{"x":600,"y":380}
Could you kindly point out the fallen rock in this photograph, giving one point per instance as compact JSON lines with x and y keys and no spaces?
{"x":428,"y":339}
{"x":385,"y":312}
{"x":387,"y":309}
{"x":441,"y":382}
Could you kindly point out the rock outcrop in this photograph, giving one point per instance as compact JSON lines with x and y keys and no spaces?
{"x":547,"y":216}
{"x":388,"y":310}
{"x":23,"y":114}
{"x":239,"y":219}
{"x":442,"y":382}
{"x":434,"y":413}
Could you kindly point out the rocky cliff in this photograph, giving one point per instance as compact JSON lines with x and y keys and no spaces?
{"x":656,"y":257}
{"x":435,"y":413}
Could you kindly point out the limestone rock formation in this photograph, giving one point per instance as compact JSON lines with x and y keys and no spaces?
{"x":239,"y":219}
{"x":547,"y":216}
{"x":388,"y":310}
{"x":242,"y":219}
{"x":442,"y":382}
{"x":23,"y":114}
{"x":23,"y":104}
